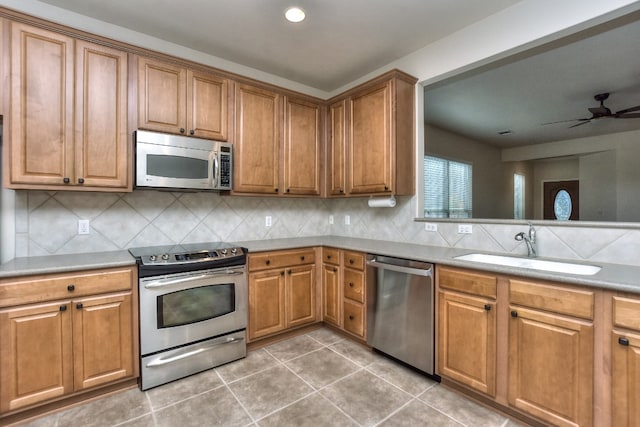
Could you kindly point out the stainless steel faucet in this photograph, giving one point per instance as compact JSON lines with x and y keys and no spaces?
{"x":530,"y":240}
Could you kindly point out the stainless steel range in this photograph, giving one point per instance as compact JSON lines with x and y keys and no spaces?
{"x":193,"y":309}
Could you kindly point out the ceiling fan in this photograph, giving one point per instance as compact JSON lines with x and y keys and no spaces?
{"x":602,"y":111}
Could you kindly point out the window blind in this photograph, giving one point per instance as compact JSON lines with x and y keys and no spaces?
{"x":447,"y":188}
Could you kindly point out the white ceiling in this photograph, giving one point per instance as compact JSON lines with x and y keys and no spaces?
{"x":557,"y":83}
{"x":340,"y":41}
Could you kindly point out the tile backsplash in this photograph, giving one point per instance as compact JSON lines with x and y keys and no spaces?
{"x":47,"y":223}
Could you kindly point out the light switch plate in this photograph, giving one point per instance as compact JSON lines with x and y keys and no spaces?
{"x":465,"y":228}
{"x":83,"y":226}
{"x":430,"y":226}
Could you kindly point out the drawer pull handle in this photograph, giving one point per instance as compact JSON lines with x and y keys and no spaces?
{"x":623,"y":341}
{"x":71,"y":288}
{"x":514,"y":313}
{"x":79,"y":306}
{"x":63,"y":308}
{"x":487,"y":307}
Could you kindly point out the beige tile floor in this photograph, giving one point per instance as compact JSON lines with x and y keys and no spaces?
{"x":316,"y":379}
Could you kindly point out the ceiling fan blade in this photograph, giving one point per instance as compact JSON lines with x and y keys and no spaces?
{"x":628,"y":110}
{"x":564,"y":121}
{"x":628,"y":116}
{"x":600,"y":111}
{"x":581,"y":123}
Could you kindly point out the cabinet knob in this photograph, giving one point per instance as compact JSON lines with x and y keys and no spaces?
{"x":351,"y":317}
{"x":623,"y":341}
{"x":487,"y":307}
{"x":80,"y":180}
{"x":302,"y":258}
{"x":275,"y":189}
{"x":328,"y":256}
{"x":351,"y":284}
{"x":71,"y":288}
{"x":335,"y":269}
{"x":282,"y":273}
{"x":341,"y":190}
{"x":192,"y":132}
{"x":181,"y":130}
{"x":289,"y":272}
{"x":288,"y":190}
{"x":267,"y":262}
{"x":351,"y":261}
{"x":63,"y":308}
{"x":514,"y":313}
{"x":79,"y":306}
{"x":66,"y":180}
{"x":386,"y":188}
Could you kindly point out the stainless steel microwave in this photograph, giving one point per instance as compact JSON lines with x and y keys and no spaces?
{"x":181,"y":162}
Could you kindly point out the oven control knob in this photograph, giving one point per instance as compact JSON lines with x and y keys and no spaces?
{"x":152,"y":258}
{"x":223,"y":251}
{"x":165,"y":257}
{"x":234,"y":250}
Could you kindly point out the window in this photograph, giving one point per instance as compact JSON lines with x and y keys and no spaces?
{"x":518,"y":196}
{"x":447,"y":188}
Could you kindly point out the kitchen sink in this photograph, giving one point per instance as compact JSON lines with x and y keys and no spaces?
{"x":532,"y":263}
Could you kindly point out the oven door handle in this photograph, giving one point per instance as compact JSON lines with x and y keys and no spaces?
{"x":170,"y":282}
{"x":162,"y":362}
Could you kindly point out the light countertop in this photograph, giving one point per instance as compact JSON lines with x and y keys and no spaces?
{"x":611,"y":276}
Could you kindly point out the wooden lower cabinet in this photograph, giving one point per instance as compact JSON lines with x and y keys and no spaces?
{"x":331,"y":294}
{"x":60,"y":347}
{"x":467,"y":340}
{"x":283,"y":297}
{"x":551,"y":366}
{"x":527,"y":345}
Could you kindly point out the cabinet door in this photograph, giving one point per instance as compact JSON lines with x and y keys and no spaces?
{"x":370,"y":154}
{"x":625,"y":372}
{"x":162,"y":96}
{"x":331,"y":294}
{"x":42,"y":84}
{"x":301,"y":295}
{"x":258,"y":115}
{"x":101,"y":138}
{"x":301,"y":147}
{"x":467,"y":341}
{"x":551,"y":367}
{"x":266,"y":303}
{"x":207,"y":105}
{"x":102,"y":339}
{"x":35,"y":355}
{"x":337,"y":148}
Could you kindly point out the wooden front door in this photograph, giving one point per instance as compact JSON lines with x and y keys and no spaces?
{"x":553,"y":209}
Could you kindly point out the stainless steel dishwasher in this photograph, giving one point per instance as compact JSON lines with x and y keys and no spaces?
{"x":400,"y":310}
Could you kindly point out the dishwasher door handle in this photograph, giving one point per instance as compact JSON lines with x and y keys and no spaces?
{"x":401,"y":269}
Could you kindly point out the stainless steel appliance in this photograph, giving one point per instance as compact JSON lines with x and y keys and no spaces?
{"x":174,"y":161}
{"x":193,"y":309}
{"x":400,"y":310}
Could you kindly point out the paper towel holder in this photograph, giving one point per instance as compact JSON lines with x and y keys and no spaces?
{"x":382,"y":202}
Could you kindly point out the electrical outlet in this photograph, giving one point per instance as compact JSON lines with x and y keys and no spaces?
{"x":267,"y":221}
{"x":465,"y":228}
{"x":331,"y":219}
{"x":347,"y":220}
{"x":83,"y":226}
{"x":430,"y":226}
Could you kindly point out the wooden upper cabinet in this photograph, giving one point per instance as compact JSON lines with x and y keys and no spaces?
{"x":370,"y":137}
{"x":336,"y":148}
{"x":178,"y":100}
{"x":379,"y":120}
{"x":57,"y":81}
{"x":256,"y":145}
{"x":301,"y":147}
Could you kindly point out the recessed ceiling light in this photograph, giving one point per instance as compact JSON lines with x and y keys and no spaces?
{"x":294,"y":14}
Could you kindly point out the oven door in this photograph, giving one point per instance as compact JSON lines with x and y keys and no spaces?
{"x":178,"y":309}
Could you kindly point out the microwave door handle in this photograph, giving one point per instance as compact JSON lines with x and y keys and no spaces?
{"x":213,"y":178}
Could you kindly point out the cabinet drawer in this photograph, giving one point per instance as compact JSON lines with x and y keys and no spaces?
{"x":267,"y":260}
{"x":354,"y":260}
{"x":626,"y":313}
{"x":32,"y":289}
{"x":558,"y":299}
{"x":354,"y":285}
{"x":467,"y":281}
{"x":331,"y":256}
{"x":354,"y":318}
